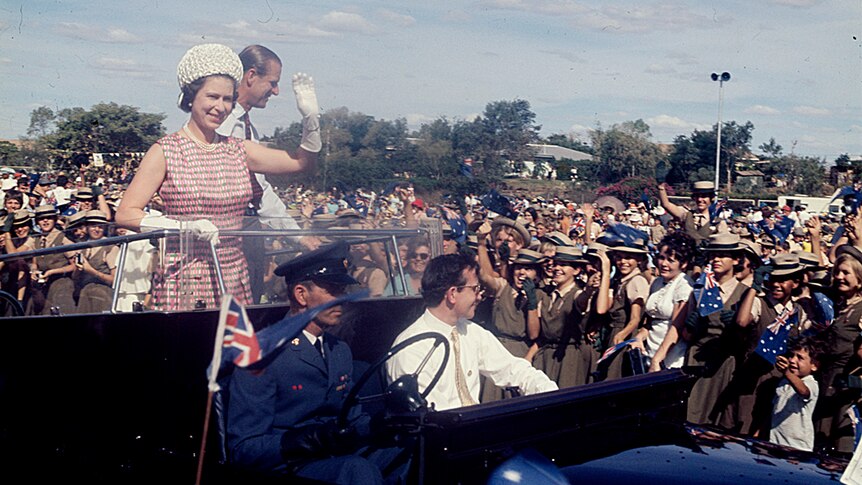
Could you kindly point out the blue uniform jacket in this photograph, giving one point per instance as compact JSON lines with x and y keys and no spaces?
{"x":298,"y":388}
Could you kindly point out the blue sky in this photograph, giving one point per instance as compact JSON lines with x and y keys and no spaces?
{"x":796,"y":64}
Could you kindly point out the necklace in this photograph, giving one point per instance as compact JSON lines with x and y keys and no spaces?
{"x":205,"y":146}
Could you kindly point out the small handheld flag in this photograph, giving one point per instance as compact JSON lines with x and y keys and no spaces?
{"x":611,"y":351}
{"x":708,"y":293}
{"x":773,"y":342}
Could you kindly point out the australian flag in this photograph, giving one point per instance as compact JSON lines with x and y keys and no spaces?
{"x":773,"y":342}
{"x":495,"y":202}
{"x":708,"y":293}
{"x":626,"y":235}
{"x":781,"y":229}
{"x":715,"y":210}
{"x":823,"y":313}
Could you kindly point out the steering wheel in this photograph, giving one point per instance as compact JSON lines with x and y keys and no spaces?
{"x":405,"y":387}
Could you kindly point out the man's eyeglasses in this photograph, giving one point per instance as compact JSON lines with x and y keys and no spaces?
{"x":420,"y":256}
{"x":477,"y":289}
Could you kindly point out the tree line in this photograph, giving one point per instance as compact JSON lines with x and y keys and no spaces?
{"x":363,"y":151}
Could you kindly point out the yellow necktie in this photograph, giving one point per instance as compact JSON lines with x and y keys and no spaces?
{"x":460,"y":379}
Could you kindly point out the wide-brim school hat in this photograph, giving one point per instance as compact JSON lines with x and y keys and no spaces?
{"x":557,"y":238}
{"x":46,"y":211}
{"x":785,"y":265}
{"x":724,"y":241}
{"x":95,"y":216}
{"x":22,"y":218}
{"x":637,"y":246}
{"x":703,"y":188}
{"x":752,"y":251}
{"x":505,"y":221}
{"x":849,"y":249}
{"x":569,"y":254}
{"x":528,"y":257}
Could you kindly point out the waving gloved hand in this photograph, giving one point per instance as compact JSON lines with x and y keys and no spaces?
{"x":530,"y":291}
{"x":202,"y":229}
{"x":306,"y":103}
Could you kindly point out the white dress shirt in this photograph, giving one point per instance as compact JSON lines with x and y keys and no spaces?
{"x":272,"y":211}
{"x":481,"y":353}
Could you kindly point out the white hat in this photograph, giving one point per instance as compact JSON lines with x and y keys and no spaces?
{"x":208,"y":59}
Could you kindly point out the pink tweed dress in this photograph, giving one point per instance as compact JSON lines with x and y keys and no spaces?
{"x":211,"y":185}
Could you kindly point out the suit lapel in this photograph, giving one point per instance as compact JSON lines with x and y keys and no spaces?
{"x":310,"y":355}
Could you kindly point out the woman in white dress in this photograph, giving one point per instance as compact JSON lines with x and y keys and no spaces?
{"x":668,"y":301}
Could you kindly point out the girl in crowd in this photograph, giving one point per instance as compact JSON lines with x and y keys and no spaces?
{"x":515,"y":311}
{"x":756,"y":378}
{"x":96,"y":268}
{"x":563,"y":353}
{"x":16,"y":277}
{"x":52,"y":283}
{"x":713,"y":336}
{"x":842,"y":338}
{"x":667,"y":304}
{"x":203,"y":179}
{"x":629,"y":290}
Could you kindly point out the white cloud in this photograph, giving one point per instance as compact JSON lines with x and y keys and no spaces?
{"x":667,"y":121}
{"x":5,"y":60}
{"x":120,"y":65}
{"x":396,"y":18}
{"x":811,"y":111}
{"x":337,"y":21}
{"x":111,"y":35}
{"x":415,"y":120}
{"x":759,"y":109}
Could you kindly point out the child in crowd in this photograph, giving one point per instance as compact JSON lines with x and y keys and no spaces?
{"x":796,"y":396}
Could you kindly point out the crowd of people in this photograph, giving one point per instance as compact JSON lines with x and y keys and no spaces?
{"x":763,"y":304}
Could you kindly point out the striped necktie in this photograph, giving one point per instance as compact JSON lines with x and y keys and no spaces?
{"x":460,"y":380}
{"x":256,"y":189}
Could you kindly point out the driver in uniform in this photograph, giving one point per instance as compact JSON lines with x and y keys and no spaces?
{"x":282,"y":420}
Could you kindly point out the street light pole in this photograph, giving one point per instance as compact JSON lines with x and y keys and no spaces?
{"x":721,"y":78}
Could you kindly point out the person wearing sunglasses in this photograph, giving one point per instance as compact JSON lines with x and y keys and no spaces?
{"x":451,"y":291}
{"x":418,"y":255}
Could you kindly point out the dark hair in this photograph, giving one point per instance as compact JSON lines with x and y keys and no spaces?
{"x":679,"y":245}
{"x":810,"y":344}
{"x":444,"y":272}
{"x":533,"y":213}
{"x":190,"y":90}
{"x":257,"y":57}
{"x":62,"y":180}
{"x":14,"y":195}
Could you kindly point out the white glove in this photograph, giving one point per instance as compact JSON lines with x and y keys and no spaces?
{"x":306,"y":103}
{"x":202,"y":229}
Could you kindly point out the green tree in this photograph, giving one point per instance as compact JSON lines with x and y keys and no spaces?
{"x":771,"y":149}
{"x":42,"y":122}
{"x":507,"y":127}
{"x":625,"y":150}
{"x":803,"y":175}
{"x":8,"y":152}
{"x":106,"y":127}
{"x":693,"y":157}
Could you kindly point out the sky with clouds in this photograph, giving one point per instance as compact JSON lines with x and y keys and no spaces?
{"x":796,"y":65}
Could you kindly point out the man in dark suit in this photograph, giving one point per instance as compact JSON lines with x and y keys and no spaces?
{"x":282,"y":420}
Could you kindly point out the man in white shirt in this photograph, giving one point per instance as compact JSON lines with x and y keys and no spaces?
{"x":451,"y":291}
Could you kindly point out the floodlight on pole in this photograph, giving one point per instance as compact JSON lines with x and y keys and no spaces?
{"x":721,"y":78}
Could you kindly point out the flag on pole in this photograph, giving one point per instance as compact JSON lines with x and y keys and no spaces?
{"x":611,"y":351}
{"x":773,"y":342}
{"x":237,"y":344}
